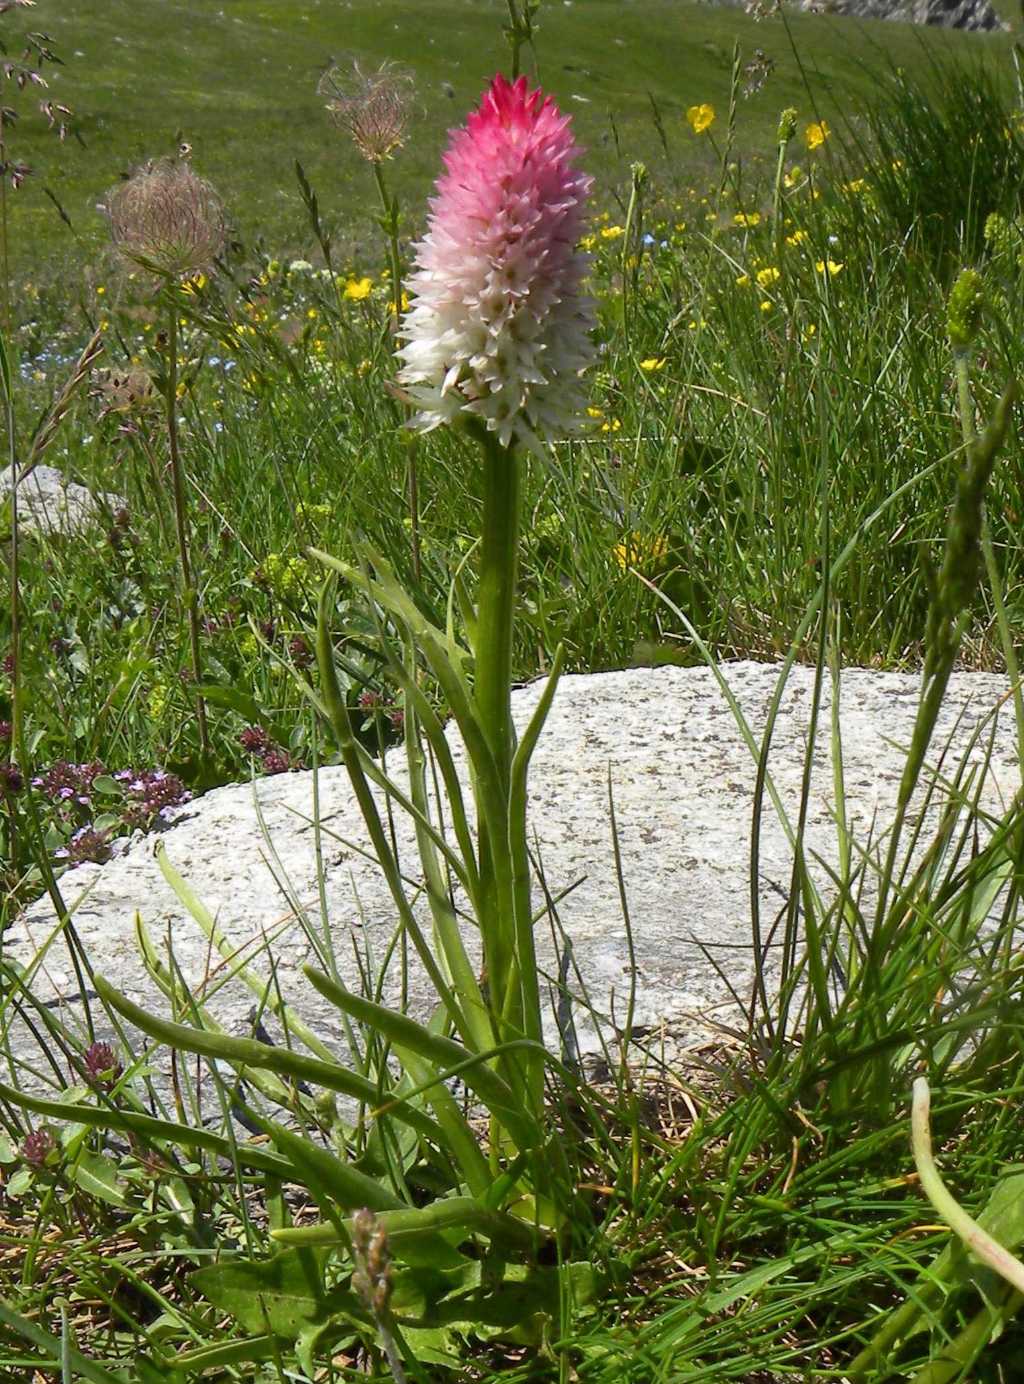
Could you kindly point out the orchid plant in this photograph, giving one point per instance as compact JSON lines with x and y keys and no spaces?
{"x":496,"y":340}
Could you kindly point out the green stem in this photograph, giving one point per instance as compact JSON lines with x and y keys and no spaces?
{"x":506,"y":922}
{"x":181,"y":523}
{"x":389,"y":221}
{"x":496,"y":601}
{"x":777,"y":226}
{"x":976,"y":1240}
{"x":970,"y":434}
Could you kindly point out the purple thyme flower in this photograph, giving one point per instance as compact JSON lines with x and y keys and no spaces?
{"x":39,"y":1147}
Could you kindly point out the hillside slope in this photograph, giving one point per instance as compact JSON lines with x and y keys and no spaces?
{"x":238,"y":80}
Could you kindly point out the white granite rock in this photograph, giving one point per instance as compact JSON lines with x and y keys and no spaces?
{"x":682,"y":779}
{"x":49,"y":503}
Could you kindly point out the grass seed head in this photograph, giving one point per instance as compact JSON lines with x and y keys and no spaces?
{"x":167,"y":219}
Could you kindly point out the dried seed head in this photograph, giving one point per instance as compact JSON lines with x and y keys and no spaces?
{"x":372,"y":1276}
{"x":167,"y":219}
{"x":130,"y":391}
{"x":374,"y":107}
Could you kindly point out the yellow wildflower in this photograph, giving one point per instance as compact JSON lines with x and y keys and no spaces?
{"x":701,"y":118}
{"x":747,"y":218}
{"x":797,"y":238}
{"x":768,"y":276}
{"x":828,"y":267}
{"x":793,"y":177}
{"x":588,"y":242}
{"x":653,"y":363}
{"x":816,"y":134}
{"x":611,"y":425}
{"x":766,"y":305}
{"x":743,"y":281}
{"x":358,"y":289}
{"x":593,"y":412}
{"x":645,"y":552}
{"x":612,"y":232}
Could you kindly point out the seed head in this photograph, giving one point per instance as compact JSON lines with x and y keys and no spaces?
{"x":374,"y":107}
{"x":124,"y":392}
{"x":372,"y":1276}
{"x":964,"y":309}
{"x":167,"y":219}
{"x":787,"y":125}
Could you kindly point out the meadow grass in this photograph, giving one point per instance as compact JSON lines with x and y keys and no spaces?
{"x":775,"y":440}
{"x":238,"y":81}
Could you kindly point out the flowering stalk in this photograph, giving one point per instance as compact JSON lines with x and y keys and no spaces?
{"x":189,"y":594}
{"x":169,"y":221}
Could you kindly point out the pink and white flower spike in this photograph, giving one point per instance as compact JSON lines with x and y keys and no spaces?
{"x":499,"y":327}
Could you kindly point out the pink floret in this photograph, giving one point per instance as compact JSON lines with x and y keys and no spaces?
{"x":499,"y":326}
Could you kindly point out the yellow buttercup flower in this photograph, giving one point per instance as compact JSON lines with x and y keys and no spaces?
{"x":612,"y":232}
{"x":816,"y":134}
{"x":646,"y":552}
{"x":701,"y":118}
{"x":828,"y":267}
{"x":654,"y":363}
{"x":747,"y":218}
{"x":358,"y":289}
{"x":768,"y":276}
{"x":743,"y":281}
{"x":797,"y":238}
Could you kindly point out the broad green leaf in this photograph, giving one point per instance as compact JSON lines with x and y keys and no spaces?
{"x":97,"y":1175}
{"x":282,"y":1294}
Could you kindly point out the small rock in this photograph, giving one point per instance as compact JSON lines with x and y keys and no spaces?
{"x":48,"y":503}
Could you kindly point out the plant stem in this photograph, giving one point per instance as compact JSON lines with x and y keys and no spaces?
{"x":970,"y":434}
{"x":389,"y":222}
{"x":189,"y":591}
{"x":496,"y":601}
{"x":506,"y":919}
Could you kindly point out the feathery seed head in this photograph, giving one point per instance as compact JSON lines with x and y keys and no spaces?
{"x":167,"y":219}
{"x":374,"y":107}
{"x":499,"y":327}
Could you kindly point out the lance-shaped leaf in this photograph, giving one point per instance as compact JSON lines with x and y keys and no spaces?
{"x":249,"y":1053}
{"x":443,"y":1053}
{"x":151,"y":1129}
